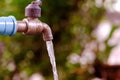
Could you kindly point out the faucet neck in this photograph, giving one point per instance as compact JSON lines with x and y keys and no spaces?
{"x":32,"y":18}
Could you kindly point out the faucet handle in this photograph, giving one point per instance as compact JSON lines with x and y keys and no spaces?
{"x":33,"y":9}
{"x":39,"y":2}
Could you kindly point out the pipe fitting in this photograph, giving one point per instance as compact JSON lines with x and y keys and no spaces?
{"x":34,"y":26}
{"x":8,"y":25}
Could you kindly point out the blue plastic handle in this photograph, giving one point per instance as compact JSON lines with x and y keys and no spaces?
{"x":8,"y":25}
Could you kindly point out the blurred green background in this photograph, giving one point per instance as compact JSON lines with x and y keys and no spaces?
{"x":71,"y":21}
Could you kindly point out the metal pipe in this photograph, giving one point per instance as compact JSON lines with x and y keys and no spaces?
{"x":21,"y":26}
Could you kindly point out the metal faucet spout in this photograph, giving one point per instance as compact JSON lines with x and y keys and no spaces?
{"x":47,"y":33}
{"x":21,"y":26}
{"x":34,"y":26}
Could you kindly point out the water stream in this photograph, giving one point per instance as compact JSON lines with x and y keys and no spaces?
{"x":50,"y":49}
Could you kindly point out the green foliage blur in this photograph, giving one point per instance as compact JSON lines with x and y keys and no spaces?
{"x":71,"y":21}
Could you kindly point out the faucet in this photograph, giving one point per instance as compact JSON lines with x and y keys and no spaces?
{"x":29,"y":25}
